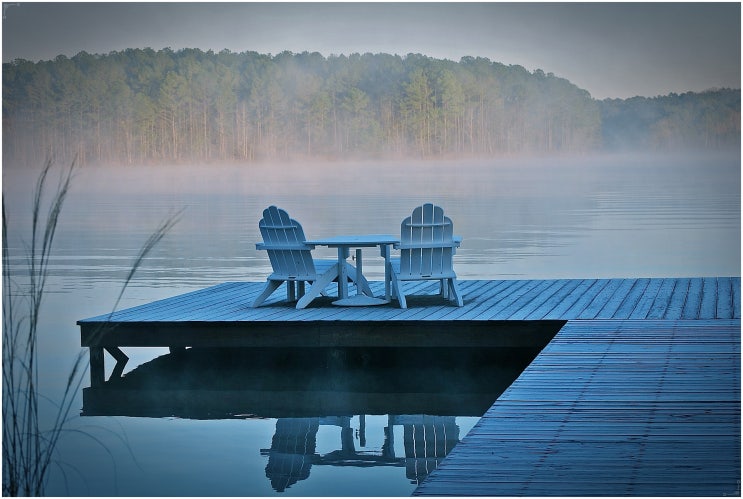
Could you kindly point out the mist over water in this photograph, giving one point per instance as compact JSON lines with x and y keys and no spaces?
{"x":565,"y":217}
{"x":620,"y":215}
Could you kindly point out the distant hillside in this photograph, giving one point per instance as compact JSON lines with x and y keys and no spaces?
{"x":705,"y":120}
{"x":146,"y":106}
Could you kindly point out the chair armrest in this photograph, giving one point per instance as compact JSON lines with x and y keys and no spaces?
{"x":452,"y":244}
{"x":456,"y":241}
{"x":297,"y":247}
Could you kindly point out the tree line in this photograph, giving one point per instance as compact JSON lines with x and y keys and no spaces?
{"x":145,"y":106}
{"x":706,"y":120}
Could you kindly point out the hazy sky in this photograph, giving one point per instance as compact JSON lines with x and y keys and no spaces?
{"x":609,"y":49}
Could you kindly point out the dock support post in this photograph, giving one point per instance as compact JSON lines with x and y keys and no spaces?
{"x":97,"y":368}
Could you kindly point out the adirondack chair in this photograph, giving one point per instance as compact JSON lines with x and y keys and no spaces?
{"x":291,"y":258}
{"x":426,"y":250}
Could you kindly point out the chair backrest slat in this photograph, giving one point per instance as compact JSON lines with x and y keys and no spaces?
{"x":279,"y":230}
{"x":426,"y":239}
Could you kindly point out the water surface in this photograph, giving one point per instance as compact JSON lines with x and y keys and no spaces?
{"x":586,"y":217}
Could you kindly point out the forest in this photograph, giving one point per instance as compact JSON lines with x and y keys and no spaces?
{"x":142,"y":106}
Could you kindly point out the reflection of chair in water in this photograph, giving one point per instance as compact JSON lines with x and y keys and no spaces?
{"x":293,"y":448}
{"x":291,"y":257}
{"x":427,"y":245}
{"x":428,"y":439}
{"x":292,"y":451}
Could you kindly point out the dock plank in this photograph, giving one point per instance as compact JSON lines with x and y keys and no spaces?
{"x":535,"y":293}
{"x":725,"y":307}
{"x":632,"y":299}
{"x":602,"y":298}
{"x":678,"y":298}
{"x":662,"y":299}
{"x":561,"y":308}
{"x":576,"y":310}
{"x":735,"y":299}
{"x":538,"y":302}
{"x":612,"y":304}
{"x":484,"y":292}
{"x":708,"y":304}
{"x":646,"y":300}
{"x":694,"y":296}
{"x":497,"y":293}
{"x":558,"y":297}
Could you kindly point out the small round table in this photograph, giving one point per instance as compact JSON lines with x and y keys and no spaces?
{"x":344,"y":244}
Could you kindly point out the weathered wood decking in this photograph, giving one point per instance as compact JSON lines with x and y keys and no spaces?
{"x":484,"y":300}
{"x":502,"y":313}
{"x":611,"y":408}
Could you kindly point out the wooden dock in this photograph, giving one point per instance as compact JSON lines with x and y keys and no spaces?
{"x":484,"y":301}
{"x":497,"y":313}
{"x":614,"y":408}
{"x":637,"y":391}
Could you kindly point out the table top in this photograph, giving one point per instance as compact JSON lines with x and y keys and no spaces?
{"x":355,"y":241}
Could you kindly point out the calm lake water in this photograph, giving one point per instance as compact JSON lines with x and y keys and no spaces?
{"x":587,"y":217}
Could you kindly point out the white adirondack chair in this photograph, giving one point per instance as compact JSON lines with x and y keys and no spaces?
{"x":291,"y":257}
{"x":427,"y":245}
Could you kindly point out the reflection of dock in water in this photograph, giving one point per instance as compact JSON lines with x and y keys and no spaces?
{"x":427,"y":440}
{"x":235,"y":383}
{"x":421,"y":393}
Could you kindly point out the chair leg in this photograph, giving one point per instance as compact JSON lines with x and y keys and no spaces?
{"x":318,"y":286}
{"x":290,"y":290}
{"x":271,"y":286}
{"x":397,"y":293}
{"x":455,"y":295}
{"x":444,"y":289}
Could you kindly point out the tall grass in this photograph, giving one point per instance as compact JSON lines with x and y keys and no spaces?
{"x":28,"y":449}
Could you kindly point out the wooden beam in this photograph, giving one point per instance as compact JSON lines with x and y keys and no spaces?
{"x":324,"y":334}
